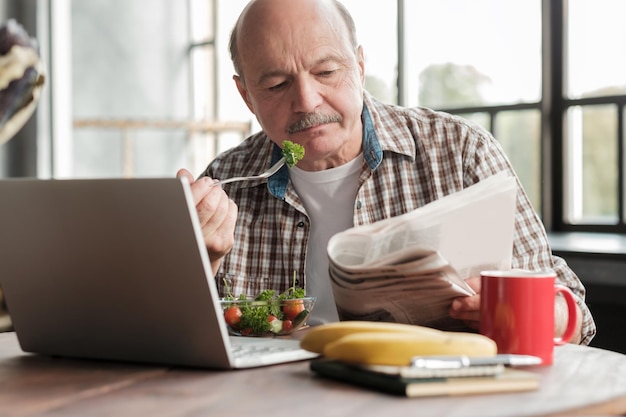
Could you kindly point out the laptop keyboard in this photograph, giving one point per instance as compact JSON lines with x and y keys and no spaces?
{"x":252,"y":351}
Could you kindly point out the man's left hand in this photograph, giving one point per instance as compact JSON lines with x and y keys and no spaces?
{"x":467,"y":308}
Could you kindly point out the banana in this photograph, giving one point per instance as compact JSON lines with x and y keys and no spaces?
{"x":319,"y":336}
{"x":397,"y":348}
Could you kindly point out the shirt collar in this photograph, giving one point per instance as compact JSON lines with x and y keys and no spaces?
{"x":277,"y":183}
{"x":372,"y":152}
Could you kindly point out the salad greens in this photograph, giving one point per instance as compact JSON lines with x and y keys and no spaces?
{"x":267,"y":312}
{"x":292,"y":152}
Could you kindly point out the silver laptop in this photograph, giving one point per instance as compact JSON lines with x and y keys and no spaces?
{"x":116,"y":269}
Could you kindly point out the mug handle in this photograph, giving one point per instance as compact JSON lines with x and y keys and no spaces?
{"x":572,"y":315}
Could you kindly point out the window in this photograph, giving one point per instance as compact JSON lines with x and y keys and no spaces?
{"x":133,"y":96}
{"x":211,"y":89}
{"x":473,"y":53}
{"x":377,"y":32}
{"x":547,"y":77}
{"x":482,"y":60}
{"x":594,"y":88}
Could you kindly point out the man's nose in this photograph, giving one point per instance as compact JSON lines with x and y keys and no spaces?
{"x":306,"y":95}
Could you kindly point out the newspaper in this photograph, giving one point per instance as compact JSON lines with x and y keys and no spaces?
{"x":409,"y":268}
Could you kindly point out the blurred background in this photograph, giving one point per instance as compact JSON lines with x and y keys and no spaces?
{"x":142,"y":88}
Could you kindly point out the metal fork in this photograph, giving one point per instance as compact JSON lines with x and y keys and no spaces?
{"x":273,"y":170}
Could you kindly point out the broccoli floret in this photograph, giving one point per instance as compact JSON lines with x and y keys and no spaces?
{"x":292,"y":152}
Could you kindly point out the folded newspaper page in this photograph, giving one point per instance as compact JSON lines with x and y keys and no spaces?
{"x":409,"y":268}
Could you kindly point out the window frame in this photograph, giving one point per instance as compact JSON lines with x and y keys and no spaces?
{"x":556,"y":107}
{"x":553,"y":106}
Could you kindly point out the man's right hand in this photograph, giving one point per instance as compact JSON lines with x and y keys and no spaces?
{"x":217,"y":214}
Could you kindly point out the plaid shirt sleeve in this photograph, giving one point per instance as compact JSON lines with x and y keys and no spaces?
{"x":430,"y":154}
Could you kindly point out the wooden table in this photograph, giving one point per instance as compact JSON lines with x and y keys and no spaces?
{"x":582,"y":381}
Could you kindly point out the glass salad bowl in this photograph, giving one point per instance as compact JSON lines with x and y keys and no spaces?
{"x":274,"y":317}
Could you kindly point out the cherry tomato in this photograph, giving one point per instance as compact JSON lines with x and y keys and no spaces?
{"x":232,"y":315}
{"x":271,"y":318}
{"x":287,"y":327}
{"x":292,"y":308}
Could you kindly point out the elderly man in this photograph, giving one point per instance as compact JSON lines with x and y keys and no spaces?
{"x":301,"y":72}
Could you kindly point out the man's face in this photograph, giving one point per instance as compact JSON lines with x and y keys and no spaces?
{"x":304,"y":82}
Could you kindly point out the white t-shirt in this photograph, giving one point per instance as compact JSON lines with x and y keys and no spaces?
{"x":328,"y":197}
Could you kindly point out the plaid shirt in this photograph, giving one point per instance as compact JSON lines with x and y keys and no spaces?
{"x":412,"y":156}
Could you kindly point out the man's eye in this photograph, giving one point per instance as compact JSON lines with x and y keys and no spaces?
{"x":326,"y":73}
{"x":277,"y":86}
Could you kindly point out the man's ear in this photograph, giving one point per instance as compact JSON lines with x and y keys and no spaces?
{"x":243,"y":92}
{"x":361,"y":62}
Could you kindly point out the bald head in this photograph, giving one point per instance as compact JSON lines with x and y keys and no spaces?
{"x":261,"y":15}
{"x":301,"y":72}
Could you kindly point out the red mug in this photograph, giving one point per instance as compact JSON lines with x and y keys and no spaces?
{"x":517,"y":312}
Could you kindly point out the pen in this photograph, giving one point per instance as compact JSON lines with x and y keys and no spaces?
{"x":454,"y":362}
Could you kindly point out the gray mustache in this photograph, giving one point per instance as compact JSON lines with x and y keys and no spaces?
{"x":312,"y":119}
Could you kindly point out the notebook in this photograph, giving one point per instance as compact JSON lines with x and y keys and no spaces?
{"x":509,"y":380}
{"x":116,"y":269}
